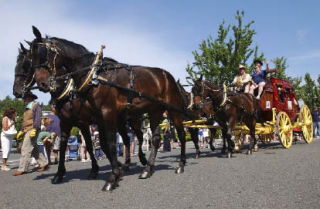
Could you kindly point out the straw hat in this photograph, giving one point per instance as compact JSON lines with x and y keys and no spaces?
{"x":242,"y":67}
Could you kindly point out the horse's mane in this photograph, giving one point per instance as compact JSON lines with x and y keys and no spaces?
{"x":70,"y":47}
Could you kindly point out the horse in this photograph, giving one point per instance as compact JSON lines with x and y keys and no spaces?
{"x":69,"y":113}
{"x":24,"y":81}
{"x":131,"y":91}
{"x":229,"y":108}
{"x":195,"y":116}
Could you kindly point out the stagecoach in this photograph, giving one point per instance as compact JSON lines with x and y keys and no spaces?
{"x":284,"y":118}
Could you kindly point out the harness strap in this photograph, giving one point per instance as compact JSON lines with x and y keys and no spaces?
{"x":67,"y":90}
{"x":93,"y":70}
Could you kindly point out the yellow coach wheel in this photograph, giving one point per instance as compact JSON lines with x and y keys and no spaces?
{"x":239,"y":142}
{"x":307,"y":124}
{"x":284,"y":129}
{"x":266,"y":138}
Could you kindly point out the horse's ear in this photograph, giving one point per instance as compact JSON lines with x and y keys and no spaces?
{"x":37,"y":33}
{"x":178,"y":81}
{"x":28,"y":42}
{"x":200,"y":79}
{"x":24,"y":50}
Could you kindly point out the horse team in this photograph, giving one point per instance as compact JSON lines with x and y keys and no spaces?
{"x":88,"y":88}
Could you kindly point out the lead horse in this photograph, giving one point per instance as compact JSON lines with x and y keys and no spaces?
{"x":72,"y":112}
{"x":229,"y":108}
{"x":130,"y":92}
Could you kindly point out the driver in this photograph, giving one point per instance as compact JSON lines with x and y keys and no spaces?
{"x":242,"y":80}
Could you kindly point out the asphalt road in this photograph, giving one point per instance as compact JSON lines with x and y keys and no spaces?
{"x":272,"y":178}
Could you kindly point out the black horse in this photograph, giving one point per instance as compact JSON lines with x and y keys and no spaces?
{"x":130,"y":92}
{"x":229,"y":108}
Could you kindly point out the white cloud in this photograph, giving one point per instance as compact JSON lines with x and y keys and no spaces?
{"x":125,"y":43}
{"x":314,"y":54}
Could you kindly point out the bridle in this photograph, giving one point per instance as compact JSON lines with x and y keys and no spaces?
{"x":27,"y":85}
{"x":204,"y":87}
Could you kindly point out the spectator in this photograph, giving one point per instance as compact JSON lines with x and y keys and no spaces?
{"x":166,"y":133}
{"x":96,"y":146}
{"x":54,"y":127}
{"x":316,"y":122}
{"x":201,"y":138}
{"x":119,"y":144}
{"x":30,"y":127}
{"x":7,"y":134}
{"x":84,"y":154}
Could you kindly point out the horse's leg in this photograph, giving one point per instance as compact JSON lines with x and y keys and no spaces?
{"x":195,"y":140}
{"x":212,"y":134}
{"x":86,"y":135}
{"x":177,"y":121}
{"x":224,"y":138}
{"x":136,"y":127}
{"x":231,"y":144}
{"x":251,"y":125}
{"x":156,"y":138}
{"x":111,"y":153}
{"x":58,"y":177}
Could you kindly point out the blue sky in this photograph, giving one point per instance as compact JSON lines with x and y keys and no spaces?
{"x":161,"y":33}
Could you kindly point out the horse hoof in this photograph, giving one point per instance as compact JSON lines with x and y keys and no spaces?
{"x":256,"y":148}
{"x":179,"y":170}
{"x":197,"y":155}
{"x":229,"y":155}
{"x":108,"y":187}
{"x":144,"y":175}
{"x":249,"y":152}
{"x":57,"y":180}
{"x":212,"y":148}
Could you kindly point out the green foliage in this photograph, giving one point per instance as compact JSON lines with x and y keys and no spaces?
{"x":311,"y":92}
{"x":218,"y":59}
{"x":15,"y":103}
{"x":280,"y":64}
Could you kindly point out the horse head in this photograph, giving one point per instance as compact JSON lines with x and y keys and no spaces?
{"x":24,"y":76}
{"x":52,"y":58}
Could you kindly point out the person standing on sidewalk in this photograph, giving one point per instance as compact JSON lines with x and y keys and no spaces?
{"x":7,"y":134}
{"x":316,"y":122}
{"x":54,"y":128}
{"x":30,"y":128}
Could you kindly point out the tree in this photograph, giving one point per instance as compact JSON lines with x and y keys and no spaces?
{"x":311,"y":92}
{"x":218,"y":59}
{"x":280,"y":64}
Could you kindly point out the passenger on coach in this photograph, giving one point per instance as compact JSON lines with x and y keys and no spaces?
{"x":243,"y":80}
{"x":259,"y":77}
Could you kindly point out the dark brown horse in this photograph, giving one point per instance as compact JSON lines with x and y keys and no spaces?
{"x":69,"y":113}
{"x":125,"y":92}
{"x":195,"y":115}
{"x":229,"y":108}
